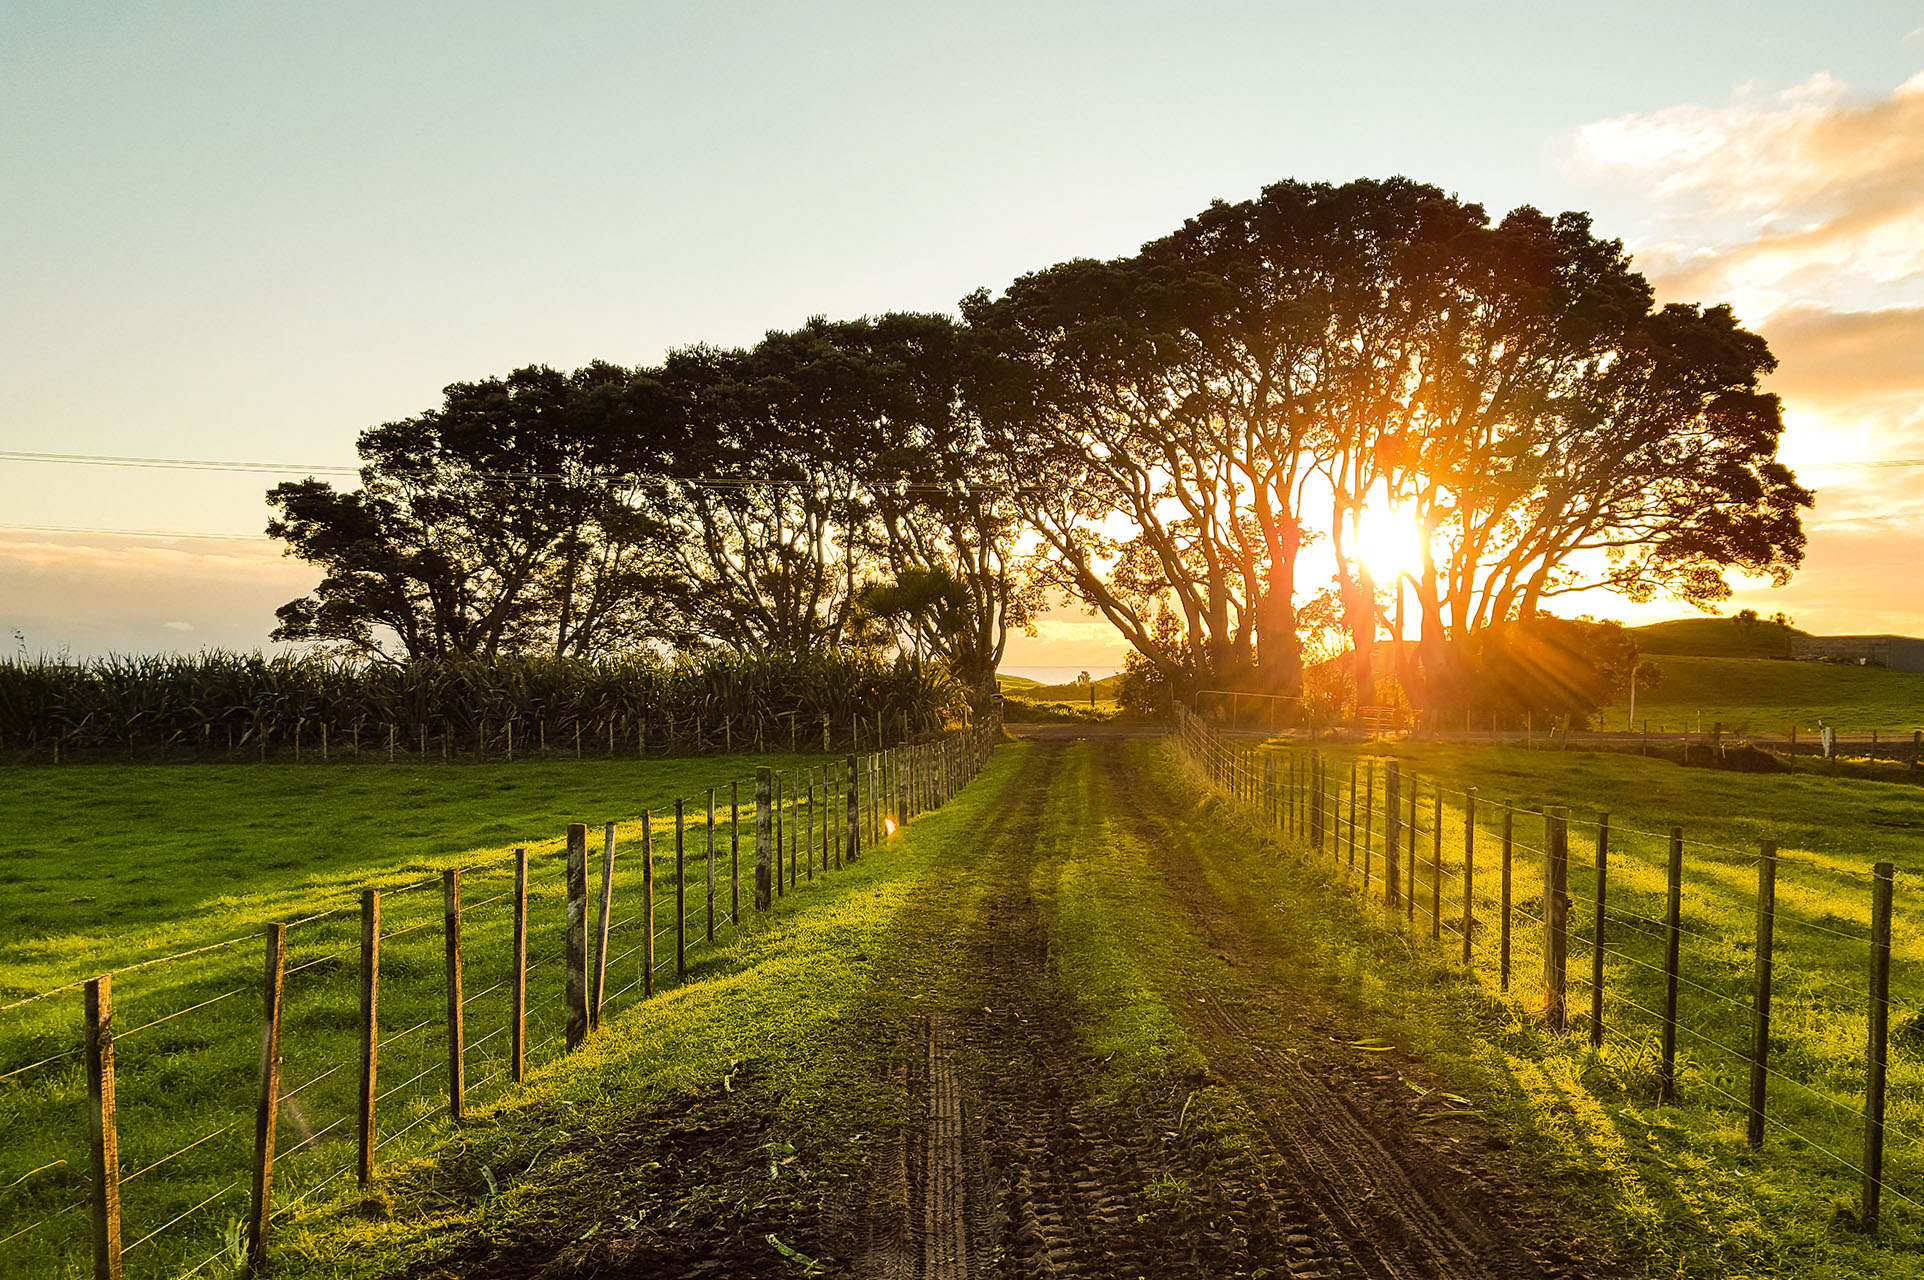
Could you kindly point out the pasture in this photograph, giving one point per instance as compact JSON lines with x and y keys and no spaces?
{"x":1764,"y":697}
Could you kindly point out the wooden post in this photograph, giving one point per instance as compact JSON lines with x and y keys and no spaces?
{"x":681,"y":895}
{"x":370,"y":1031}
{"x":1760,"y":1007}
{"x":764,"y":836}
{"x":1880,"y":1024}
{"x":1409,"y":881}
{"x":1392,"y":813}
{"x":711,"y":864}
{"x":734,"y":853}
{"x":604,"y":908}
{"x":647,"y":904}
{"x":451,"y":937}
{"x":518,"y":981}
{"x":577,"y":926}
{"x":853,"y":839}
{"x":1436,"y":866}
{"x":1672,"y":951}
{"x":267,"y":1109}
{"x":104,"y":1150}
{"x":1469,"y":865}
{"x":1352,"y":815}
{"x":1503,"y":942}
{"x":1369,"y":820}
{"x":1597,"y":939}
{"x":1556,"y":914}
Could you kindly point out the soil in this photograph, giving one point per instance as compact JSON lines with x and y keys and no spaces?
{"x":1012,"y":1167}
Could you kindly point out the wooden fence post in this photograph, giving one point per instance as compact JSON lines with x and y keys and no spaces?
{"x":370,"y":1031}
{"x":1351,"y":834}
{"x":1369,"y":820}
{"x":711,"y":864}
{"x":577,"y":926}
{"x":734,"y":853}
{"x":1436,"y":865}
{"x":852,"y":840}
{"x":518,"y":980}
{"x":1469,"y":867}
{"x":1880,"y":1023}
{"x":1503,"y":942}
{"x":681,"y":895}
{"x":1392,"y":813}
{"x":1556,"y":914}
{"x":104,"y":1147}
{"x":779,"y":858}
{"x":764,"y":836}
{"x":647,"y":904}
{"x":604,"y":909}
{"x":1409,"y":881}
{"x":1598,"y":939}
{"x":451,"y":937}
{"x":267,"y":1109}
{"x":1760,"y":1008}
{"x":1672,"y":950}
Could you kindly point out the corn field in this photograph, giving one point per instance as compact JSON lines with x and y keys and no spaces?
{"x":230,"y":705}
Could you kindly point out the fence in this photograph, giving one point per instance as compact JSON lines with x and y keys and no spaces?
{"x":364,"y":1013}
{"x":1689,"y":1009}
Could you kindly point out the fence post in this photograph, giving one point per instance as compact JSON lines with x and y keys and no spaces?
{"x":1672,"y":950}
{"x":778,"y":832}
{"x":1469,"y":868}
{"x":1503,"y":943}
{"x":604,"y":908}
{"x":711,"y":864}
{"x":1409,"y":881}
{"x":451,"y":937}
{"x":370,"y":1031}
{"x":647,"y":904}
{"x":764,"y":836}
{"x":681,"y":896}
{"x":105,"y":1140}
{"x":1392,"y":814}
{"x":267,"y":1110}
{"x":1597,"y":938}
{"x":1760,"y":1014}
{"x":1436,"y":865}
{"x":1556,"y":914}
{"x":577,"y":925}
{"x":1880,"y":1021}
{"x":1352,"y":815}
{"x":853,"y":839}
{"x":518,"y":982}
{"x":1369,"y":820}
{"x":734,"y":853}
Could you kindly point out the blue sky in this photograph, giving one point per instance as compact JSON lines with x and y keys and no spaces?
{"x":249,"y":232}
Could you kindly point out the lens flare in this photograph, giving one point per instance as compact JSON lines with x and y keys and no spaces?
{"x":888,"y":826}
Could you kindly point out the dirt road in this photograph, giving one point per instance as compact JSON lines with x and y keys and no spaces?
{"x":1092,"y":924}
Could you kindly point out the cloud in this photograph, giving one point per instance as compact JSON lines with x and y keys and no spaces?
{"x":1848,"y":357}
{"x":1773,"y":202}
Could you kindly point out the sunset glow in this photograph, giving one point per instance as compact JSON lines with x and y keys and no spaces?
{"x":1389,"y":542}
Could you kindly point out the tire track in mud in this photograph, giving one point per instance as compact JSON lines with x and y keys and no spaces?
{"x":1404,"y":1209}
{"x":1019,"y":1174}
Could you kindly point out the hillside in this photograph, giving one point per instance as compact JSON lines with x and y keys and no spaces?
{"x":1717,"y":638}
{"x":1766,"y":696}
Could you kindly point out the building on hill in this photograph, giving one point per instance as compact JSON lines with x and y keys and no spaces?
{"x":1899,"y":653}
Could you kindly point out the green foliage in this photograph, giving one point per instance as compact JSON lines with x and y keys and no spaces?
{"x":213,"y":701}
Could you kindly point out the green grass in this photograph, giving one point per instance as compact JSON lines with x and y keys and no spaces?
{"x":1029,"y":710}
{"x":120,"y":865}
{"x":1765,"y":697}
{"x":1716,"y":638}
{"x":1676,"y":1184}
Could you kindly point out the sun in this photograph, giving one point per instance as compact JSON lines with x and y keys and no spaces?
{"x":1389,"y":541}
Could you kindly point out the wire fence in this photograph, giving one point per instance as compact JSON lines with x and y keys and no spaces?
{"x":163,"y":1117}
{"x":1749,"y":980}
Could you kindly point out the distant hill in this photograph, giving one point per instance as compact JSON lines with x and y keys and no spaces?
{"x":1023,"y":683}
{"x":1034,"y":691}
{"x":1717,"y":638}
{"x":1752,"y":695}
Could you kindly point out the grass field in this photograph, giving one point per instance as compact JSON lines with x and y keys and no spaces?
{"x":115,"y":866}
{"x":1716,"y":638}
{"x":1829,"y":831}
{"x":794,"y":1009}
{"x":1765,"y":697}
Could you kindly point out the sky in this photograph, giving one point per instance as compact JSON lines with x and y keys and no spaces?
{"x":246,"y":233}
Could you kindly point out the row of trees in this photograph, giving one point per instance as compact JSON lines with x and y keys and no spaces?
{"x":1164,"y":437}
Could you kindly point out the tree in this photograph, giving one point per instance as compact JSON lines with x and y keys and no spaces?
{"x":505,"y":521}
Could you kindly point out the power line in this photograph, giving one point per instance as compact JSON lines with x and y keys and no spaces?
{"x":134,"y":533}
{"x":169,"y":464}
